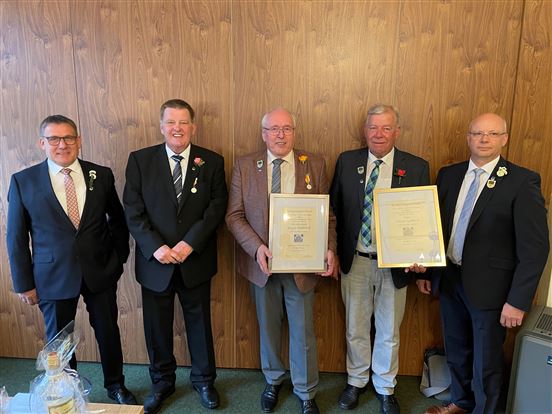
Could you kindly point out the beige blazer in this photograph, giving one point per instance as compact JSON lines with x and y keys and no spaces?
{"x":247,"y":214}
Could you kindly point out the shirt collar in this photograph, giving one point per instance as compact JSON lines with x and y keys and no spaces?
{"x":184,"y":154}
{"x":387,"y":159}
{"x":489,"y":167}
{"x":55,"y":168}
{"x":288,"y":158}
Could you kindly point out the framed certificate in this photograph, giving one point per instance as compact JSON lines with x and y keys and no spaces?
{"x":408,"y":227}
{"x":298,"y":233}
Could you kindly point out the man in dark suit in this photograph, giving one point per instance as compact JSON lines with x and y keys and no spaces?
{"x":278,"y":169}
{"x":175,"y":197}
{"x":365,"y":288}
{"x":70,"y":212}
{"x":494,"y":222}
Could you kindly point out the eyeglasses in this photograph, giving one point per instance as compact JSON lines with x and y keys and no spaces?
{"x":68,"y":139}
{"x":275,"y":131}
{"x":385,"y":130}
{"x":481,"y":134}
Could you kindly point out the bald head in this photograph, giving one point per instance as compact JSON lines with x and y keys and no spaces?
{"x":487,"y":135}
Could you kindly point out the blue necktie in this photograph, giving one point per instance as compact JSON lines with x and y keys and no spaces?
{"x":366,"y":228}
{"x":464,"y":219}
{"x":276,"y":175}
{"x":177,"y":177}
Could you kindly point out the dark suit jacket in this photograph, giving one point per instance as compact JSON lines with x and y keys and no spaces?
{"x":247,"y":215}
{"x":347,"y":199}
{"x":61,"y":257}
{"x":154,"y":218}
{"x":506,"y":243}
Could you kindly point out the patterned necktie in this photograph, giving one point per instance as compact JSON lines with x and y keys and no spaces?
{"x":464,"y":219}
{"x":276,"y":175}
{"x":366,"y":228}
{"x":71,"y":197}
{"x":177,"y":177}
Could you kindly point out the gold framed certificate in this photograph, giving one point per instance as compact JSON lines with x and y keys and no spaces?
{"x":298,"y":233}
{"x":408,"y":227}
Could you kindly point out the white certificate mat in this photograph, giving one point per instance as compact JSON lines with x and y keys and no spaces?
{"x":298,"y":233}
{"x":408,"y":227}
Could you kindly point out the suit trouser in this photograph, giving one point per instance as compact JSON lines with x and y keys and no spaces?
{"x":278,"y":295}
{"x":102,"y":313}
{"x":473,"y":344}
{"x":158,"y":316}
{"x":367,"y":289}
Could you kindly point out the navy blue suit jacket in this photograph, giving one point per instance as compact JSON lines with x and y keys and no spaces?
{"x":347,"y":199}
{"x":61,"y":257}
{"x":506,"y":243}
{"x":155,"y":219}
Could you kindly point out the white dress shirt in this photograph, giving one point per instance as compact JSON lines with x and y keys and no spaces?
{"x":468,"y":178}
{"x":57,"y":179}
{"x":287,"y":169}
{"x":183,"y":163}
{"x":385,"y":177}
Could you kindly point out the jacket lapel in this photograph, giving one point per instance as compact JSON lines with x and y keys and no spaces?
{"x":45,"y":185}
{"x":89,"y":199}
{"x":455,"y":186}
{"x":259,"y":181}
{"x":399,"y":163}
{"x":301,"y":171}
{"x":360,"y":176}
{"x":192,"y":176}
{"x":161,"y":166}
{"x":486,"y":194}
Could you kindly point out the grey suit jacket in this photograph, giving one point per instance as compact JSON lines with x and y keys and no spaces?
{"x":347,"y":198}
{"x":247,"y":214}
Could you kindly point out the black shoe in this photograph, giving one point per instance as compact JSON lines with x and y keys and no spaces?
{"x":208,"y":396}
{"x":309,"y":407}
{"x":389,"y":404}
{"x":152,"y":403}
{"x":269,"y":397}
{"x":349,"y":397}
{"x":122,"y":395}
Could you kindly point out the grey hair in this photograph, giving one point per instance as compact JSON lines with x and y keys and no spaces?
{"x":278,"y":108}
{"x":379,"y":109}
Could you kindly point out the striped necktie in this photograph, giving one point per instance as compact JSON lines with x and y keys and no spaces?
{"x":366,"y":228}
{"x":71,"y":197}
{"x":276,"y":175}
{"x":177,"y":177}
{"x":464,"y":219}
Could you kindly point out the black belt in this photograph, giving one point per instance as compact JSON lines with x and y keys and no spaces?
{"x":370,"y":255}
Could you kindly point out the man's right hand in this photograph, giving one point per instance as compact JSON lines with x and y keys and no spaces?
{"x":166,"y":255}
{"x":30,"y":297}
{"x":262,"y":256}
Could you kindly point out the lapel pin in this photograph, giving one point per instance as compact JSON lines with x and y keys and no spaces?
{"x":194,"y":189}
{"x":260,"y":164}
{"x":502,"y":171}
{"x":491,"y":182}
{"x":360,"y":170}
{"x":308,"y":181}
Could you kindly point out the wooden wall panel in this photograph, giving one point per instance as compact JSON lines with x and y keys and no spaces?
{"x":109,"y":65}
{"x":531,"y":126}
{"x":130,"y":58}
{"x":36,"y":80}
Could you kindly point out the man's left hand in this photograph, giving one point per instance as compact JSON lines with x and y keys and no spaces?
{"x":183,"y":250}
{"x":333,"y":265}
{"x":510,"y":316}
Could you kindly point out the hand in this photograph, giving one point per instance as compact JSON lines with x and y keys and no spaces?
{"x":416,"y":268}
{"x":166,"y":255}
{"x":510,"y":316}
{"x":262,"y":256}
{"x":333,"y":265}
{"x":30,"y":297}
{"x":182,"y":250}
{"x":424,"y":286}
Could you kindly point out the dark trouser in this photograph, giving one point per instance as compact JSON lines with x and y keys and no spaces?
{"x":102,"y":313}
{"x":158,"y":326}
{"x":473,"y":343}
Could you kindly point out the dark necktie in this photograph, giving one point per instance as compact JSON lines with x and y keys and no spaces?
{"x":366,"y":228}
{"x":276,"y":176}
{"x":177,"y":177}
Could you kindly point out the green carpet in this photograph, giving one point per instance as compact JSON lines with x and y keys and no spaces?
{"x":240,"y":390}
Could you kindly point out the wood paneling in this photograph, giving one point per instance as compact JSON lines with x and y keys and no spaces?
{"x":109,"y":65}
